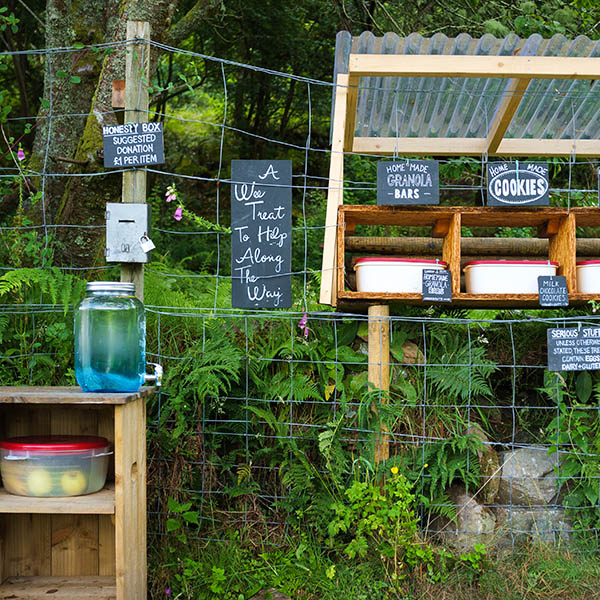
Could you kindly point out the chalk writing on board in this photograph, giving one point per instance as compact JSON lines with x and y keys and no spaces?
{"x":133,"y":144}
{"x":261,"y":233}
{"x":517,"y":184}
{"x":408,"y":182}
{"x":574,"y":349}
{"x":437,"y":285}
{"x":552,"y":290}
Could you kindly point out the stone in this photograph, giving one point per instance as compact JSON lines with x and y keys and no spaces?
{"x":475,"y":523}
{"x":488,"y":467}
{"x":518,"y":525}
{"x":528,"y":477}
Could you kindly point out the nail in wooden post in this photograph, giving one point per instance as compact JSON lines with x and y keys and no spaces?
{"x":379,"y":366}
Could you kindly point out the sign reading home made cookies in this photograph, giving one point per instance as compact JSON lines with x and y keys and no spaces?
{"x":517,"y":184}
{"x":408,"y":182}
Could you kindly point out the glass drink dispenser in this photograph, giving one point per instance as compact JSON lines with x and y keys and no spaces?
{"x":110,"y":339}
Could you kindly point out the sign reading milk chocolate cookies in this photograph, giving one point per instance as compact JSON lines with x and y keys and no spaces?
{"x":517,"y":184}
{"x":261,"y":233}
{"x":408,"y":182}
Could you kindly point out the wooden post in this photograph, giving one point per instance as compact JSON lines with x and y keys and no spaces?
{"x":379,"y":365}
{"x":137,"y":69}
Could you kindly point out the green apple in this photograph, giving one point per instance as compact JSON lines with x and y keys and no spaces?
{"x":39,"y":482}
{"x":73,"y":482}
{"x":13,"y":482}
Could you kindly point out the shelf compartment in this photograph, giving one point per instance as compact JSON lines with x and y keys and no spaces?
{"x":59,"y":588}
{"x":99,"y":503}
{"x":558,"y":224}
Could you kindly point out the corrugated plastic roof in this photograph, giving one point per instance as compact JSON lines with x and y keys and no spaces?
{"x":464,"y":107}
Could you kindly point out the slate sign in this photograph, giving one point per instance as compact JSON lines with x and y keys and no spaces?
{"x":437,"y":285}
{"x":408,"y":182}
{"x":552,"y":290}
{"x":517,"y":184}
{"x":133,"y":144}
{"x":261,"y":233}
{"x":574,"y":349}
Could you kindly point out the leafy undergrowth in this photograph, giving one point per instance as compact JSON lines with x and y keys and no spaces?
{"x":238,"y":568}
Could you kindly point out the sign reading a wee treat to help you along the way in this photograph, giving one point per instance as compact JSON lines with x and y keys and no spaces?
{"x":133,"y":144}
{"x":408,"y":182}
{"x":517,"y":184}
{"x":261,"y":233}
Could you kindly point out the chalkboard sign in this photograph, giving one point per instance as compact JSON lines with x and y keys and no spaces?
{"x":133,"y":144}
{"x":261,"y":233}
{"x":552,"y":290}
{"x":408,"y":182}
{"x":574,"y":349}
{"x":437,"y":285}
{"x":517,"y":184}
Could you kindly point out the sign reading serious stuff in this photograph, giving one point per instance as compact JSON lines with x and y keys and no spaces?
{"x":408,"y":182}
{"x":517,"y":184}
{"x":133,"y":145}
{"x":261,"y":233}
{"x":574,"y":349}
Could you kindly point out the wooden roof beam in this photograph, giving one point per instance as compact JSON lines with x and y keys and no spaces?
{"x":506,"y":111}
{"x":475,"y":147}
{"x":428,"y":65}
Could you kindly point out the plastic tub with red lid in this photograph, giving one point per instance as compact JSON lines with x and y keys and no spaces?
{"x":54,"y":465}
{"x":506,"y":276}
{"x":393,"y":275}
{"x":588,"y":276}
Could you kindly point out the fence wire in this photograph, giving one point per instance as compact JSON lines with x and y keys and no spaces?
{"x":261,"y":407}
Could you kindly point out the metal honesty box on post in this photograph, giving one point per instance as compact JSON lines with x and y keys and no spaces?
{"x":127,"y":228}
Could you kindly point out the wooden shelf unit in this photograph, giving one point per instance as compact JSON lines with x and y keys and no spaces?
{"x":555,"y":223}
{"x":91,"y":546}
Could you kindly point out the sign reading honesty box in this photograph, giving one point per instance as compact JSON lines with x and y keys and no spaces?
{"x":133,"y":144}
{"x":574,"y":349}
{"x":408,"y":182}
{"x":517,"y":184}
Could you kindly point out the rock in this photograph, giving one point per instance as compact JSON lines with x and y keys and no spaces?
{"x":518,"y":525}
{"x":528,"y":477}
{"x":488,"y":466}
{"x":270,"y":594}
{"x":475,"y":523}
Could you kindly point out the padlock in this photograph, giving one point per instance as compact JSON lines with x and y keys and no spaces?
{"x":146,"y":243}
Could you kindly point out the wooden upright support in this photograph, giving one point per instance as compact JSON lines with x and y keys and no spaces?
{"x":137,"y":70}
{"x":379,"y":366}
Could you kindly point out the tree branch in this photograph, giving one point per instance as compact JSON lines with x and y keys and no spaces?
{"x":188,"y":24}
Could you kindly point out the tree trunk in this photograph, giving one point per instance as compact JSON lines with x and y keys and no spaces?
{"x":69,"y":132}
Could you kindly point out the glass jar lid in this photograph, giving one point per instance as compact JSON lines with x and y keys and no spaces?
{"x":111,"y":286}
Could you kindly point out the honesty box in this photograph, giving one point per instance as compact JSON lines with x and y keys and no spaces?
{"x":133,"y":144}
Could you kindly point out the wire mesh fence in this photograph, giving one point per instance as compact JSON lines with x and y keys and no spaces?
{"x":266,"y":417}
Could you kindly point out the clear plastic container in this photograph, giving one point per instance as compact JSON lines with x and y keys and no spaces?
{"x":110,"y":338}
{"x":588,"y":276}
{"x":52,"y":465}
{"x":506,"y":276}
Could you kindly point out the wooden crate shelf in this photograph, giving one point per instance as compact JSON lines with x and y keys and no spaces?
{"x":556,"y":237}
{"x":99,"y":503}
{"x":59,"y":588}
{"x":91,"y":546}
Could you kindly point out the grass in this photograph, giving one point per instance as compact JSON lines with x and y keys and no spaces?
{"x":241,"y":566}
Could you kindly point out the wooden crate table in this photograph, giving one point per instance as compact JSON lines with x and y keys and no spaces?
{"x":91,"y":546}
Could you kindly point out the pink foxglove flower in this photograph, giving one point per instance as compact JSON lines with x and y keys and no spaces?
{"x":171,"y":193}
{"x":178,"y":213}
{"x":21,"y":154}
{"x":303,"y":325}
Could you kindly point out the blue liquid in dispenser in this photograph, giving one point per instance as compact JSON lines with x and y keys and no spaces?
{"x":110,"y":339}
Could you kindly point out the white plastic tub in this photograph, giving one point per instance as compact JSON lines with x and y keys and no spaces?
{"x":54,"y":465}
{"x":393,"y":275}
{"x":506,"y":276}
{"x":588,"y":276}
